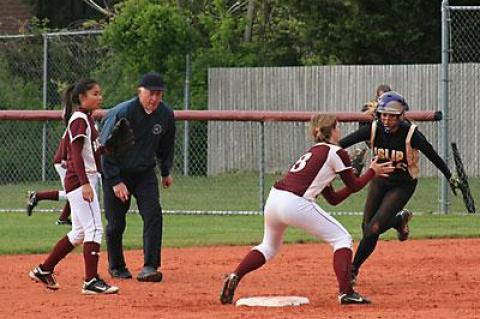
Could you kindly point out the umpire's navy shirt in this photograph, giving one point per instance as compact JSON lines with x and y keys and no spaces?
{"x":154,"y":138}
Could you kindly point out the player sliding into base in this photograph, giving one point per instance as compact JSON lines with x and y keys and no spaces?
{"x":291,"y":202}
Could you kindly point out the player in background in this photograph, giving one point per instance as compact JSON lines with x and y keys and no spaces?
{"x":371,"y":106}
{"x":60,"y":164}
{"x":395,"y":140}
{"x":291,"y":202}
{"x":83,"y":161}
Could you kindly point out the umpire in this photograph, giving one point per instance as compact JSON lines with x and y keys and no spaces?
{"x":133,"y":173}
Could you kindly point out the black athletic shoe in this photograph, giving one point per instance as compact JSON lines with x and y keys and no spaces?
{"x":402,"y":229}
{"x":230,"y":283}
{"x":121,"y":273}
{"x":149,"y":274}
{"x":31,"y":202}
{"x":97,"y":286}
{"x":45,"y":277}
{"x":353,"y":298}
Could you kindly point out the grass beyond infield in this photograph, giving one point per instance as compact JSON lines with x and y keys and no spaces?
{"x":20,"y":234}
{"x":240,"y":192}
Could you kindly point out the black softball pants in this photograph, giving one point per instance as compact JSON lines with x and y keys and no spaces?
{"x":384,"y":200}
{"x":144,"y":187}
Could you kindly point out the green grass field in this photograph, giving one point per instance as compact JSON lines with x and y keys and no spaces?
{"x":240,"y":191}
{"x":36,"y":234}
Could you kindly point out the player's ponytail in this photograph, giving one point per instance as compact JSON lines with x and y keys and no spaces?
{"x":71,"y":96}
{"x":321,"y":127}
{"x":68,"y":107}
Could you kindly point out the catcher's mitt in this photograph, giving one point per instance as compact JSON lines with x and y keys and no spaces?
{"x":121,"y":138}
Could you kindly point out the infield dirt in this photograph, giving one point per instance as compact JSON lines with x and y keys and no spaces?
{"x":413,"y":279}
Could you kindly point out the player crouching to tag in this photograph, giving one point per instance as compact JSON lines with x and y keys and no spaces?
{"x":291,"y":202}
{"x":80,"y":185}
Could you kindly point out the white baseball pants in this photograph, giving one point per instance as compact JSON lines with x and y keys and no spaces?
{"x":284,"y":209}
{"x":86,"y":216}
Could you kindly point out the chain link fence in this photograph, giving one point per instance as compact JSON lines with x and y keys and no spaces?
{"x":460,"y":88}
{"x":464,"y":48}
{"x":35,"y":69}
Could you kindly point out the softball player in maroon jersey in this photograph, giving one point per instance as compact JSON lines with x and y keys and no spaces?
{"x":60,"y":164}
{"x":83,"y":156}
{"x":291,"y":202}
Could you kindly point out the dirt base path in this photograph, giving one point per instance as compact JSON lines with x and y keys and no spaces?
{"x":414,"y":279}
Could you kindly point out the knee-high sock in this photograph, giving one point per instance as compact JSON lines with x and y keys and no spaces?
{"x":50,"y":195}
{"x":61,"y":249}
{"x":342,"y":264}
{"x":91,"y":251}
{"x":65,"y":212}
{"x":365,"y":249}
{"x":253,"y":260}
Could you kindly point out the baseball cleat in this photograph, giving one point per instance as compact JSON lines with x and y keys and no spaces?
{"x":402,"y":229}
{"x":230,"y":283}
{"x":31,"y":202}
{"x":45,"y":277}
{"x":353,"y":298}
{"x":97,"y":286}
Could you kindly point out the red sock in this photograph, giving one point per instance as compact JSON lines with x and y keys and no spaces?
{"x":91,"y":251}
{"x":50,"y":195}
{"x":61,"y":249}
{"x":65,"y":212}
{"x":253,"y":260}
{"x":342,"y":264}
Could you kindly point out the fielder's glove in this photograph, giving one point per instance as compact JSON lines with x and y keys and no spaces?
{"x":358,"y":160}
{"x":454,"y":184}
{"x":121,"y":138}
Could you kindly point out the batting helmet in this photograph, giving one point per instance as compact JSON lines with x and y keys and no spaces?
{"x":392,"y":103}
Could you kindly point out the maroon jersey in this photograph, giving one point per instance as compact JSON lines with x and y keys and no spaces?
{"x":61,"y":152}
{"x":314,"y":170}
{"x":82,"y":159}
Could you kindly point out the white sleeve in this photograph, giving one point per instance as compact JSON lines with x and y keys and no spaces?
{"x":337,"y":159}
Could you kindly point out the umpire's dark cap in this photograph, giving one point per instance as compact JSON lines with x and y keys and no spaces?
{"x":152,"y":81}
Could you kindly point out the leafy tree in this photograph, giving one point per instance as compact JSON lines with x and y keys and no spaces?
{"x":146,"y":36}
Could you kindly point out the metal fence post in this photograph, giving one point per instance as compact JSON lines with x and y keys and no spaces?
{"x":261,"y":165}
{"x":45,"y":93}
{"x":444,"y":200}
{"x":188,"y":74}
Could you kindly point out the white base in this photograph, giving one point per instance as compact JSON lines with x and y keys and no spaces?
{"x":272,"y":301}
